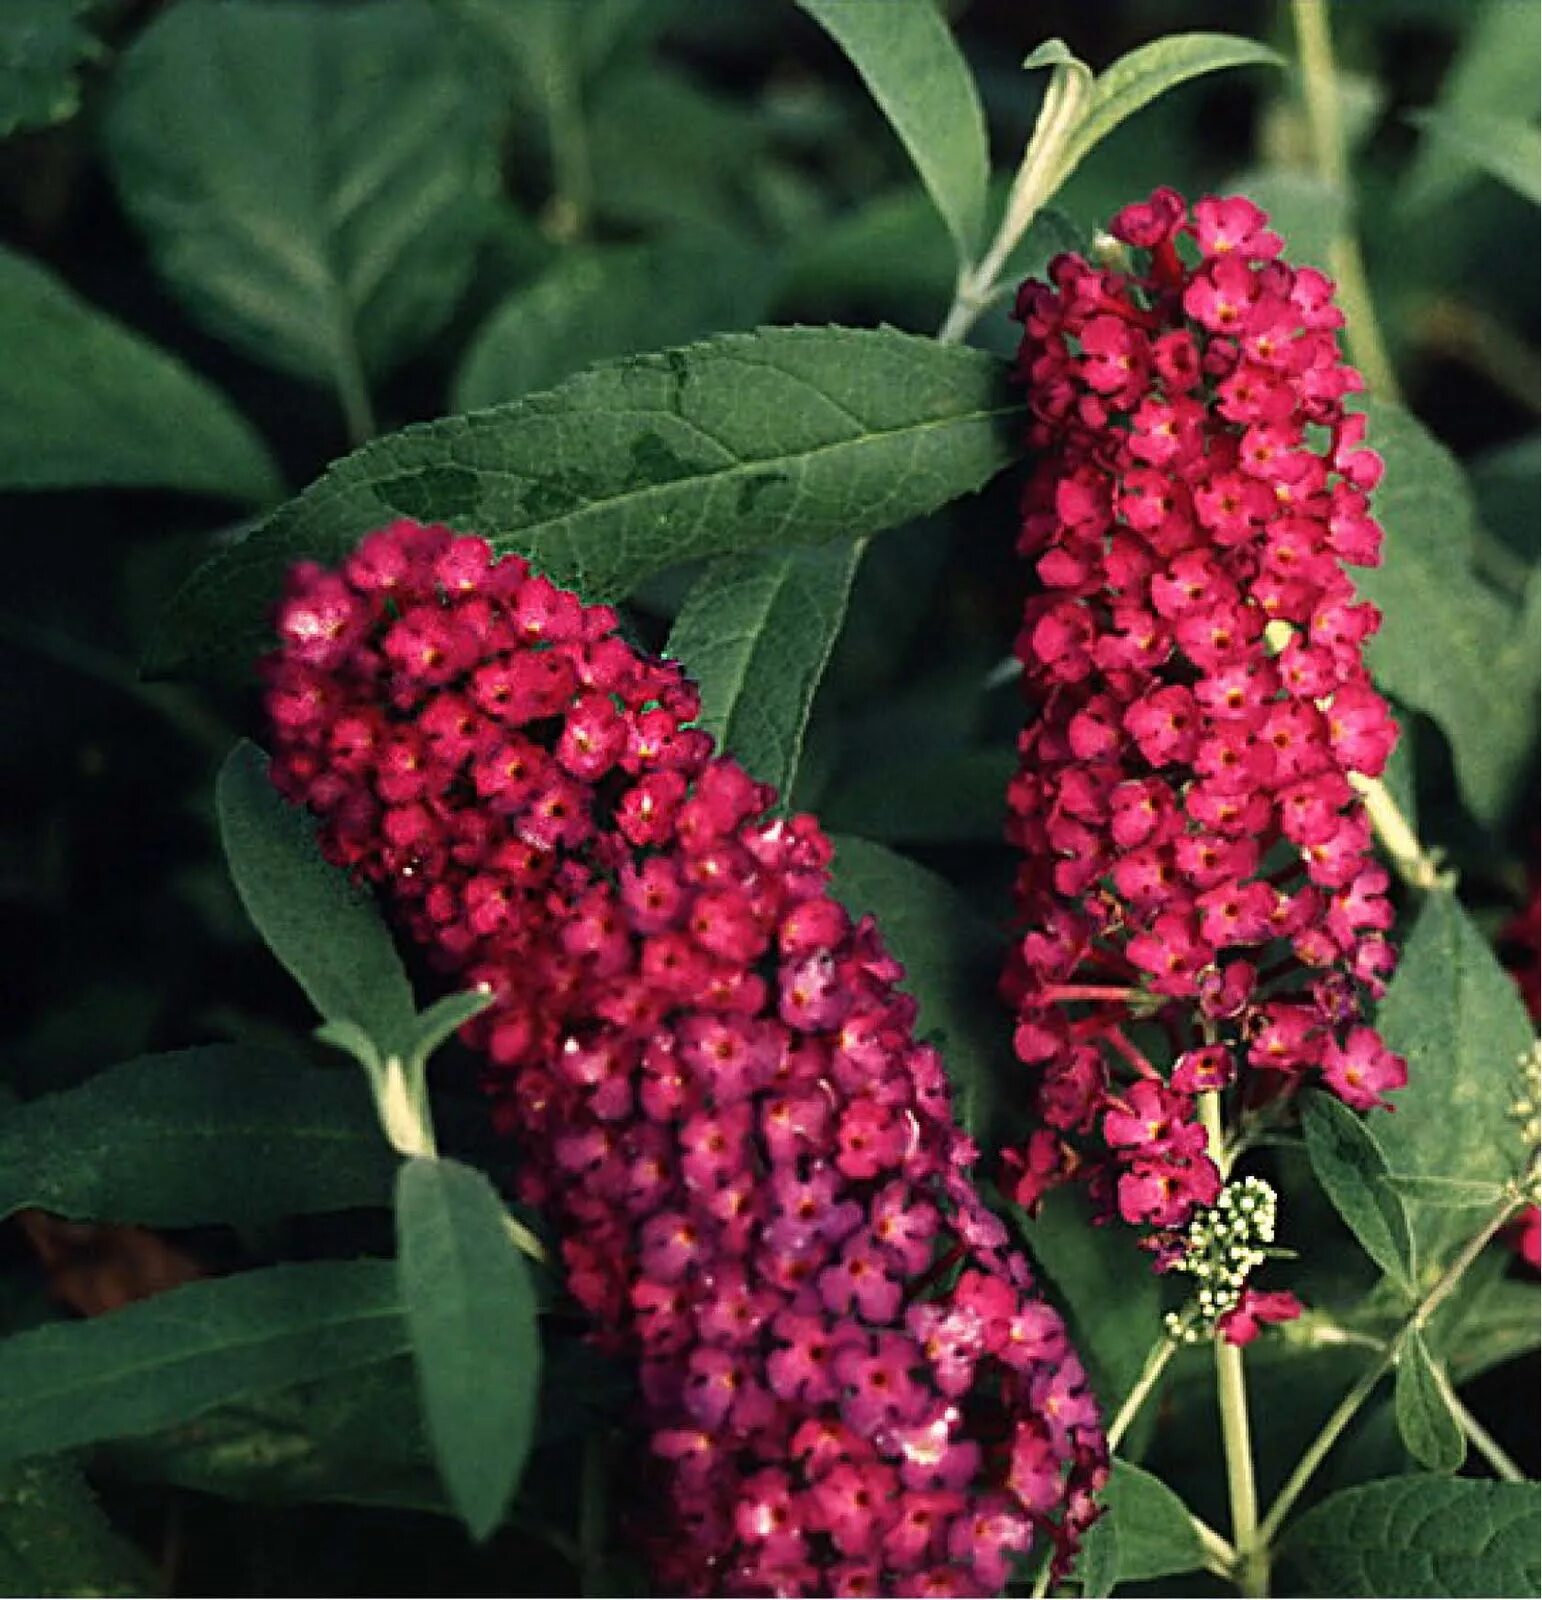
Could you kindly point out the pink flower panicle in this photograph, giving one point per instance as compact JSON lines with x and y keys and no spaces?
{"x":1194,"y":857}
{"x":711,"y":1074}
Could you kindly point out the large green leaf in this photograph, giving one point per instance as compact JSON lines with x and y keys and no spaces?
{"x":1156,"y":1536}
{"x":222,"y":1133}
{"x":54,"y":1539}
{"x":326,"y":930}
{"x":907,"y":57}
{"x":613,"y":301}
{"x":1433,"y":1436}
{"x":471,"y":1307}
{"x":85,"y":403}
{"x":1453,"y":1011}
{"x":312,"y":179}
{"x":43,"y":46}
{"x":951,"y":958}
{"x":756,"y":633}
{"x":1420,"y":1535}
{"x":1480,"y":686}
{"x":1353,"y":1172}
{"x":165,"y":1360}
{"x":1112,"y":1298}
{"x":785,"y":436}
{"x":1506,"y":148}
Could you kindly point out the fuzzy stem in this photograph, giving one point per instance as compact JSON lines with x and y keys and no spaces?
{"x":1232,"y":1395}
{"x":1319,"y":81}
{"x":1477,"y":1435}
{"x":1156,"y":1364}
{"x":1344,"y":1412}
{"x":1414,"y":863}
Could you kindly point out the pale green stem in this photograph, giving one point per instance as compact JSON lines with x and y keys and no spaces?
{"x":572,"y":176}
{"x":1156,"y":1364}
{"x":1344,"y":1412}
{"x":1232,"y":1396}
{"x":1041,"y":172}
{"x":1320,"y":85}
{"x":1478,"y":1436}
{"x":524,"y":1239}
{"x":1415,"y":865}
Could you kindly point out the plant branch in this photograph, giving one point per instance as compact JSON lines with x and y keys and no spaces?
{"x":1344,"y":1413}
{"x":1319,"y":81}
{"x":1156,"y":1364}
{"x":1478,"y":1436}
{"x":1415,"y":865}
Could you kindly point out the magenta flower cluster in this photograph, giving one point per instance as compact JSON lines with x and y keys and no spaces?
{"x":849,"y":1384}
{"x":1196,"y":879}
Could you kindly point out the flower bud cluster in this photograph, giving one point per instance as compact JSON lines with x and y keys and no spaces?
{"x":712,"y":1076}
{"x":1197,"y":878}
{"x":1221,"y":1248}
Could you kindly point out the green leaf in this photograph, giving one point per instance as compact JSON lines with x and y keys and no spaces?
{"x":472,"y":1310}
{"x":1481,"y":685}
{"x":312,"y":180}
{"x":43,"y":47}
{"x":220,"y":1133}
{"x":1136,"y":79}
{"x":85,"y":403}
{"x":1505,"y":148}
{"x":1494,"y":1322}
{"x":935,"y":800}
{"x":1420,"y":1535}
{"x":1453,"y":1011}
{"x":613,"y":301}
{"x":1112,"y":1299}
{"x":433,"y":1027}
{"x":1156,"y":1536}
{"x":1433,"y":1436}
{"x":1353,"y":1172}
{"x":1495,"y":74}
{"x":785,"y":436}
{"x":951,"y":958}
{"x":54,"y":1539}
{"x":1098,"y":1564}
{"x":170,"y":1358}
{"x":907,"y":56}
{"x":755,"y":633}
{"x":325,"y":930}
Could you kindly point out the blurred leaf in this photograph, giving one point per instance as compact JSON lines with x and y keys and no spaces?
{"x":1480,"y":686}
{"x":1112,"y":1298}
{"x":894,"y":255}
{"x":43,"y":46}
{"x":86,"y":403}
{"x":1156,"y":1532}
{"x":54,"y":1539}
{"x":170,"y":1358}
{"x":1136,"y":79}
{"x":667,"y":152}
{"x":1453,"y":1011}
{"x":614,"y":301}
{"x":220,"y":1133}
{"x":1495,"y":74}
{"x":929,"y":800}
{"x":1353,"y":1172}
{"x":906,"y":55}
{"x":755,"y":633}
{"x":326,"y":931}
{"x":312,"y":180}
{"x":1494,"y":1323}
{"x":1504,"y":147}
{"x":951,"y":957}
{"x":1433,"y":1436}
{"x":785,"y":436}
{"x":1419,"y":1535}
{"x":1505,"y":483}
{"x":472,"y":1311}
